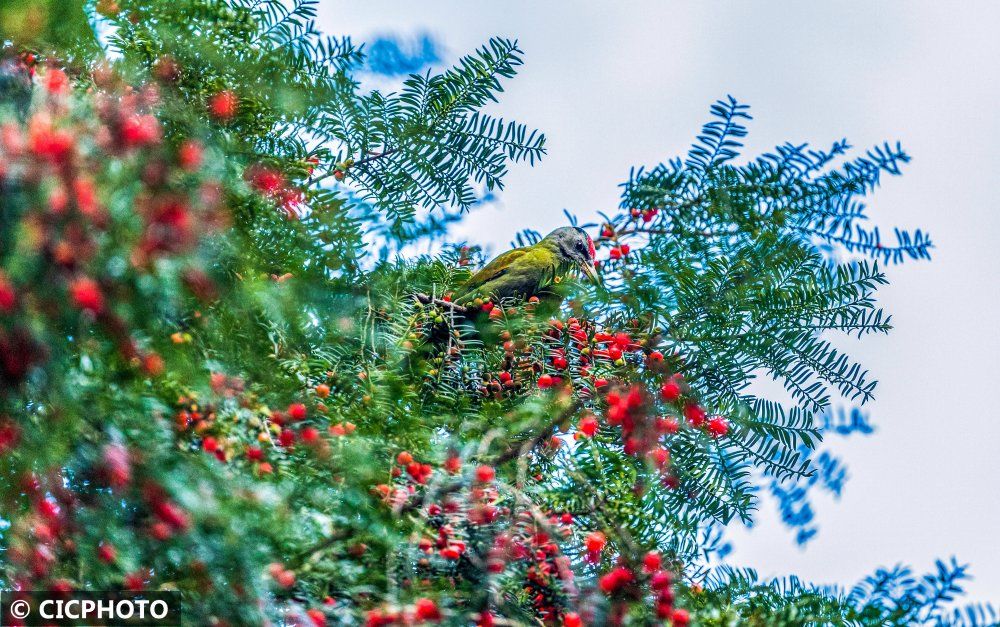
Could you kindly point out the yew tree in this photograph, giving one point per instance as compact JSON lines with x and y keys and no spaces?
{"x":222,"y":373}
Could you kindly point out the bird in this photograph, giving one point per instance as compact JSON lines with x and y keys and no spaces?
{"x":530,"y":270}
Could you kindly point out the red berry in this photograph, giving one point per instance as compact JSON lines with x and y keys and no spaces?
{"x":545,"y":381}
{"x":224,"y":105}
{"x":695,"y":414}
{"x":453,"y":464}
{"x":655,"y":357}
{"x":139,"y":130}
{"x":588,"y":426}
{"x":667,"y":425}
{"x":572,"y":619}
{"x":189,"y":155}
{"x":209,"y":444}
{"x":86,"y":295}
{"x":660,"y":580}
{"x":652,"y":562}
{"x":680,"y":618}
{"x":660,"y":456}
{"x":255,"y":453}
{"x":615,"y":580}
{"x":297,"y":411}
{"x":404,"y":458}
{"x":426,"y":609}
{"x":286,"y":438}
{"x":595,"y":542}
{"x":285,"y":579}
{"x":322,"y":390}
{"x":106,"y":553}
{"x":310,"y":435}
{"x":485,"y":474}
{"x":160,"y":531}
{"x":56,"y":81}
{"x":317,"y":617}
{"x":670,"y":391}
{"x":135,"y":581}
{"x":8,"y":297}
{"x":718,"y":427}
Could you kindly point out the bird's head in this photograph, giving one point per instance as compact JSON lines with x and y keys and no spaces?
{"x":575,"y":248}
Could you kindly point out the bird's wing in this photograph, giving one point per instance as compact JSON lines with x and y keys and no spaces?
{"x":493,"y":269}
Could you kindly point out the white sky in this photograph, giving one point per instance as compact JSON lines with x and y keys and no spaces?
{"x":619,"y":84}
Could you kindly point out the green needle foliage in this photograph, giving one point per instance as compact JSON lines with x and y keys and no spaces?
{"x":216,"y":377}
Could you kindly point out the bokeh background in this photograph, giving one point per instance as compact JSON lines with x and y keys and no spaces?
{"x":615,"y":85}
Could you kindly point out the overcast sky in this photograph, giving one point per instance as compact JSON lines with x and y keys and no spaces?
{"x":619,"y":84}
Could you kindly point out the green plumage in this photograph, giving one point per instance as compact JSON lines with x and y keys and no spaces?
{"x":522,"y":272}
{"x":530,"y":270}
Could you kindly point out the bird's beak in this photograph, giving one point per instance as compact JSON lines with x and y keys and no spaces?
{"x":591,"y":273}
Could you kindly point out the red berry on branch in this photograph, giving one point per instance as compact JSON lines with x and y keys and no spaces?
{"x":316,"y":616}
{"x":296,"y":411}
{"x":660,"y":580}
{"x":86,"y":295}
{"x":545,"y":381}
{"x":106,"y":553}
{"x":404,"y":458}
{"x":310,"y":435}
{"x":224,"y":105}
{"x":615,"y":580}
{"x":56,"y":81}
{"x":8,"y":297}
{"x":426,"y":610}
{"x":652,"y":562}
{"x":718,"y":427}
{"x":595,"y":542}
{"x":680,"y":618}
{"x":190,"y":155}
{"x":572,"y":619}
{"x":285,"y":579}
{"x":668,"y":426}
{"x":695,"y":414}
{"x":135,"y":581}
{"x":670,"y":391}
{"x":588,"y":426}
{"x":286,"y":438}
{"x":485,"y":474}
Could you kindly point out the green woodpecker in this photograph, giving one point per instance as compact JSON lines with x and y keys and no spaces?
{"x":530,"y":270}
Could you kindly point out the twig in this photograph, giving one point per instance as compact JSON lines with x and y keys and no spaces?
{"x":424,"y":299}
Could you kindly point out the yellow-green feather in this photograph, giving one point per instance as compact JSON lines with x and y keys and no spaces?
{"x":520,"y":272}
